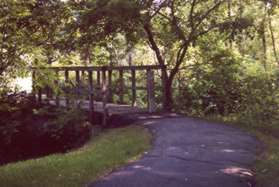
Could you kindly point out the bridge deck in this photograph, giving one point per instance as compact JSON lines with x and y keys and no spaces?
{"x":98,"y":107}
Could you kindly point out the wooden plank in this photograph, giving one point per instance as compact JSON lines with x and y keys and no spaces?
{"x":66,"y":91}
{"x":121,"y":87}
{"x":150,"y":91}
{"x":91,"y":100}
{"x":133,"y":87}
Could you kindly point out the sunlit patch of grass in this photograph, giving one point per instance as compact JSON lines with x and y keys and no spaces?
{"x":77,"y":168}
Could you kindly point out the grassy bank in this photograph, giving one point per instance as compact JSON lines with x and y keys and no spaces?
{"x":77,"y":168}
{"x":267,"y":165}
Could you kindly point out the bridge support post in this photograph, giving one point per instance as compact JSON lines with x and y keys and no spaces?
{"x":57,"y":99}
{"x":91,"y":101}
{"x":104,"y":94}
{"x":110,"y":86}
{"x":133,"y":87}
{"x":36,"y":90}
{"x":98,"y":86}
{"x":33,"y":84}
{"x":150,"y":91}
{"x":39,"y":95}
{"x":66,"y":89}
{"x":77,"y":87}
{"x":121,"y":87}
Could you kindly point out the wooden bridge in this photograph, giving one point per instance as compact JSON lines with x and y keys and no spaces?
{"x":93,"y":87}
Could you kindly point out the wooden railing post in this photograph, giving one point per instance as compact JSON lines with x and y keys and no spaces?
{"x":57,"y":98}
{"x":48,"y":93}
{"x":36,"y":90}
{"x":77,"y":86}
{"x":33,"y":84}
{"x":104,"y":94}
{"x":40,"y":95}
{"x":91,"y":101}
{"x":98,"y":79}
{"x":66,"y":90}
{"x":150,"y":91}
{"x":121,"y":86}
{"x":98,"y":86}
{"x":133,"y":87}
{"x":110,"y":86}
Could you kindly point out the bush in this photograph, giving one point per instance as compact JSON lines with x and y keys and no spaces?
{"x":29,"y":130}
{"x":228,"y":85}
{"x":213,"y":86}
{"x":69,"y":130}
{"x":260,"y":98}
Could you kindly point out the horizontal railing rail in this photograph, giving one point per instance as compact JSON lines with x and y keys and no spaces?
{"x":98,"y":68}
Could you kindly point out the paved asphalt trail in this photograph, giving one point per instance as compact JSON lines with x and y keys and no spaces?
{"x":189,"y":152}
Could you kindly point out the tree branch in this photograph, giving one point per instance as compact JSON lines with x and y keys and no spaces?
{"x":206,"y":14}
{"x":153,"y":44}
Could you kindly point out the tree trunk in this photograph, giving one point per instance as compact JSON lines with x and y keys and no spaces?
{"x":167,"y":91}
{"x":168,"y":100}
{"x":263,"y":38}
{"x":264,"y":49}
{"x":230,"y":18}
{"x":273,"y":39}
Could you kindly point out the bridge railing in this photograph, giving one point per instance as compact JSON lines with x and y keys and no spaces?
{"x":103,"y":81}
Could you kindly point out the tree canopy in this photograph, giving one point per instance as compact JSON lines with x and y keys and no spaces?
{"x":175,"y":32}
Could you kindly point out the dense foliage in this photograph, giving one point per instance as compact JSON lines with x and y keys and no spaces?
{"x":29,"y":130}
{"x":228,"y":85}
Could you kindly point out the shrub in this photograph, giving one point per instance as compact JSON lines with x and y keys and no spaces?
{"x":69,"y":130}
{"x":260,"y":98}
{"x":213,"y":86}
{"x":29,"y":130}
{"x":227,"y":85}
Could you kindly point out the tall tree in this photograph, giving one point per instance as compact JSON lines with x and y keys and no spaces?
{"x":271,"y":11}
{"x":169,"y":27}
{"x":177,"y":25}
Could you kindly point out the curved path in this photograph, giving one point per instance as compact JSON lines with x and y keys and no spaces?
{"x":189,"y":152}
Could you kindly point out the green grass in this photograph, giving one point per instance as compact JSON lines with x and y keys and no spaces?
{"x":267,"y":164}
{"x":80,"y":167}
